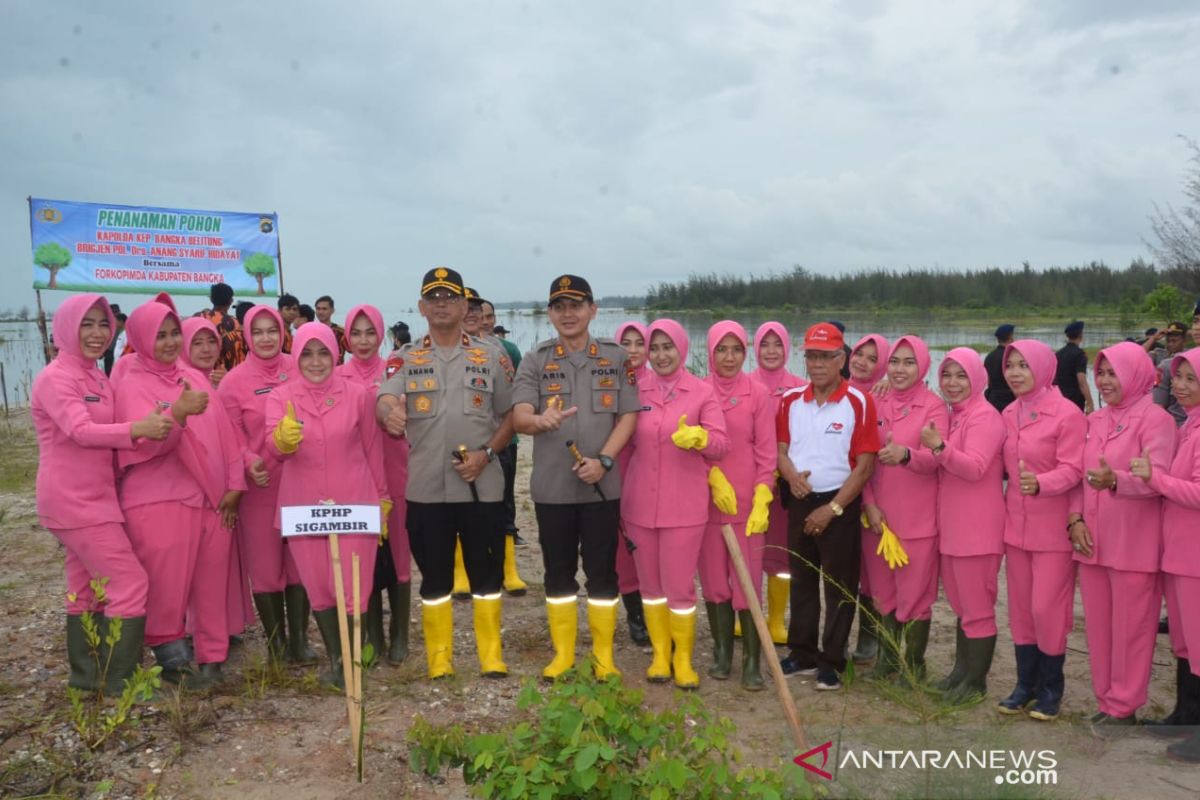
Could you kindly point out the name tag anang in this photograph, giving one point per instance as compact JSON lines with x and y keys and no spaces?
{"x":324,"y":520}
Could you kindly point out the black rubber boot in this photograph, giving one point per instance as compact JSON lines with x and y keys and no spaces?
{"x":176,"y":662}
{"x":720,"y":622}
{"x":916,"y":640}
{"x":637,"y":620}
{"x":887,"y":662}
{"x":959,"y":670}
{"x":373,"y":626}
{"x":977,"y":663}
{"x":123,"y":657}
{"x":400,"y":601}
{"x":752,"y":679}
{"x":270,"y":611}
{"x":1050,"y":693}
{"x":1186,"y":715}
{"x":327,"y":624}
{"x":298,"y":608}
{"x":868,"y":632}
{"x":212,"y":672}
{"x":85,"y":673}
{"x":1027,"y":681}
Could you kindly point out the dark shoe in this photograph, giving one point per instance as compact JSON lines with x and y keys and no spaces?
{"x":1109,"y":727}
{"x":212,"y":673}
{"x":1050,"y":693}
{"x":1027,"y":681}
{"x":868,"y":632}
{"x":85,"y":671}
{"x":916,"y":640}
{"x":959,"y":670}
{"x":793,"y":668}
{"x":400,"y":601}
{"x":1186,"y":714}
{"x":175,"y":660}
{"x":978,"y":655}
{"x":720,"y":623}
{"x":828,"y":681}
{"x":887,"y":661}
{"x":298,"y":608}
{"x":1186,"y":749}
{"x":124,"y":657}
{"x":637,"y":619}
{"x":270,"y":612}
{"x":752,"y":679}
{"x":327,"y":624}
{"x":373,"y":625}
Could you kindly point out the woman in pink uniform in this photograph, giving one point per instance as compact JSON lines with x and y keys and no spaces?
{"x":868,"y":365}
{"x":393,"y":565}
{"x":902,"y":493}
{"x":1180,"y":488}
{"x":73,"y":412}
{"x":676,"y":439}
{"x":772,"y":344}
{"x":1043,"y":458}
{"x":274,"y":582}
{"x":742,"y":494}
{"x":161,"y":487}
{"x":631,"y":336}
{"x":219,"y":605}
{"x":970,"y":517}
{"x":1117,"y":546}
{"x":322,"y":427}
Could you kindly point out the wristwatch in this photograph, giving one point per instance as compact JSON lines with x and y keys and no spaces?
{"x":836,"y":508}
{"x":605,"y":461}
{"x":490,"y":453}
{"x":937,"y":451}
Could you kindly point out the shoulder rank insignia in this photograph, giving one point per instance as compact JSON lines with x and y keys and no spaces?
{"x":507,"y":366}
{"x":593,"y":350}
{"x":559,"y":350}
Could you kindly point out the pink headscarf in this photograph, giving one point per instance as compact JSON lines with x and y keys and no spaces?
{"x":67,"y":321}
{"x":142,"y":329}
{"x":323,"y":334}
{"x":678,"y":336}
{"x":1042,"y":364}
{"x":971,"y":364}
{"x":1192,"y":357}
{"x":366,"y":370}
{"x":882,"y":349}
{"x":771,"y":378}
{"x":921,"y":352}
{"x":739,"y":383}
{"x":191,"y":327}
{"x":644,"y":370}
{"x":268,"y":367}
{"x":1134,"y":368}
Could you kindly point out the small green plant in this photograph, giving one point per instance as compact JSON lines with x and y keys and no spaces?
{"x":94,"y":719}
{"x":368,"y":659}
{"x":590,"y":739}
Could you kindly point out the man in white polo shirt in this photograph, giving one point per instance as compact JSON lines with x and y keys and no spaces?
{"x":828,"y":438}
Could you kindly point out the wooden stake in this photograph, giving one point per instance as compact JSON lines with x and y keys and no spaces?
{"x":356,"y":721}
{"x":339,"y":586}
{"x":764,"y":637}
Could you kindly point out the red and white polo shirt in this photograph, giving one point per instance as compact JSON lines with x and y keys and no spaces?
{"x":826,"y":439}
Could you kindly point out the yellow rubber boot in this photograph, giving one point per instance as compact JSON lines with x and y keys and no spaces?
{"x":660,"y":639}
{"x":487,"y":636}
{"x":737,"y":628}
{"x":512,"y":581}
{"x":778,"y":593}
{"x":683,"y":636}
{"x":437,"y":618}
{"x":462,"y":585}
{"x":602,"y":621}
{"x":563,"y":616}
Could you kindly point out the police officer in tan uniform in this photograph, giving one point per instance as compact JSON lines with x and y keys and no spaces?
{"x":579,"y":389}
{"x":451,"y":395}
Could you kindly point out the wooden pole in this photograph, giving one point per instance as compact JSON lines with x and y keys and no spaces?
{"x":764,"y":637}
{"x":278,"y":250}
{"x":356,"y":722}
{"x":41,"y":323}
{"x":339,"y":586}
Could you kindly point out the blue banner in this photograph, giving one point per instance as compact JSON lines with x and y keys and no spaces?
{"x":110,"y":248}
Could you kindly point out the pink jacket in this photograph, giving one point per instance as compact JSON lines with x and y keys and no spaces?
{"x":642,"y":375}
{"x":340,"y":458}
{"x":73,"y":414}
{"x":1118,"y":521}
{"x":668,"y":487}
{"x":169,"y":470}
{"x":750,"y":421}
{"x":1046,"y":431}
{"x":1180,"y":488}
{"x":775,"y":381}
{"x":908,"y":494}
{"x":971,"y":470}
{"x":221,"y":443}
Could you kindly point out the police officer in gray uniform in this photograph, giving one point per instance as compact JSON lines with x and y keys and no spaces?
{"x":451,"y":395}
{"x":577,"y":396}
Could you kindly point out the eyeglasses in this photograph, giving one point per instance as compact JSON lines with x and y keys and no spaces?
{"x":821,"y":355}
{"x":440,"y":297}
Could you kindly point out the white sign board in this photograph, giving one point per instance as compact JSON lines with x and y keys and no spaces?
{"x":324,"y":520}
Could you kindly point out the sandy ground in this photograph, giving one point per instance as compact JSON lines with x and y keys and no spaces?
{"x":288,"y":739}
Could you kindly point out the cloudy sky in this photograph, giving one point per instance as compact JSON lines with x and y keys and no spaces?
{"x":629,"y":142}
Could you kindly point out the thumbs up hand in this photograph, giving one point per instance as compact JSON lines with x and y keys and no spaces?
{"x":289,"y":431}
{"x":396,"y":421}
{"x":156,"y":425}
{"x":891,"y":453}
{"x":1140,"y":466}
{"x":689,"y":437}
{"x":1028,"y":480}
{"x":189,"y":403}
{"x":930,"y":437}
{"x":1102,"y":477}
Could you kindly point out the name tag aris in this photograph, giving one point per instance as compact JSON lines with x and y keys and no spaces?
{"x":324,"y":520}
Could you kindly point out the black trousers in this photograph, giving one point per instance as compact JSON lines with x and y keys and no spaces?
{"x":833,"y":560}
{"x":431,"y":536}
{"x":569,"y":533}
{"x":508,"y":464}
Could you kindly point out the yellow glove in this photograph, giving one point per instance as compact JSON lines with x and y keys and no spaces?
{"x":723,"y":496}
{"x":759,"y":515}
{"x":385,"y":508}
{"x":289,"y":432}
{"x":891,"y":549}
{"x":689,"y":437}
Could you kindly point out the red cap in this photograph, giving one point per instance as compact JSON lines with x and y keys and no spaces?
{"x":823,"y":336}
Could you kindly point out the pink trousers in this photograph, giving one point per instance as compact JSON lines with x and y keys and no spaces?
{"x":398,"y":541}
{"x":627,"y":576}
{"x":166,"y":538}
{"x":209,"y":596}
{"x":666,"y":562}
{"x":775,"y":546}
{"x":239,"y":604}
{"x":909,"y":590}
{"x":1183,"y":610}
{"x":103,"y":551}
{"x":315,"y":565}
{"x":718,"y":579}
{"x":972,"y":584}
{"x":265,"y":556}
{"x":1041,"y":597}
{"x":1120,"y":611}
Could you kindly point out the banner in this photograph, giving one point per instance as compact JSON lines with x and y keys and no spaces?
{"x":109,"y":248}
{"x":323,"y":520}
